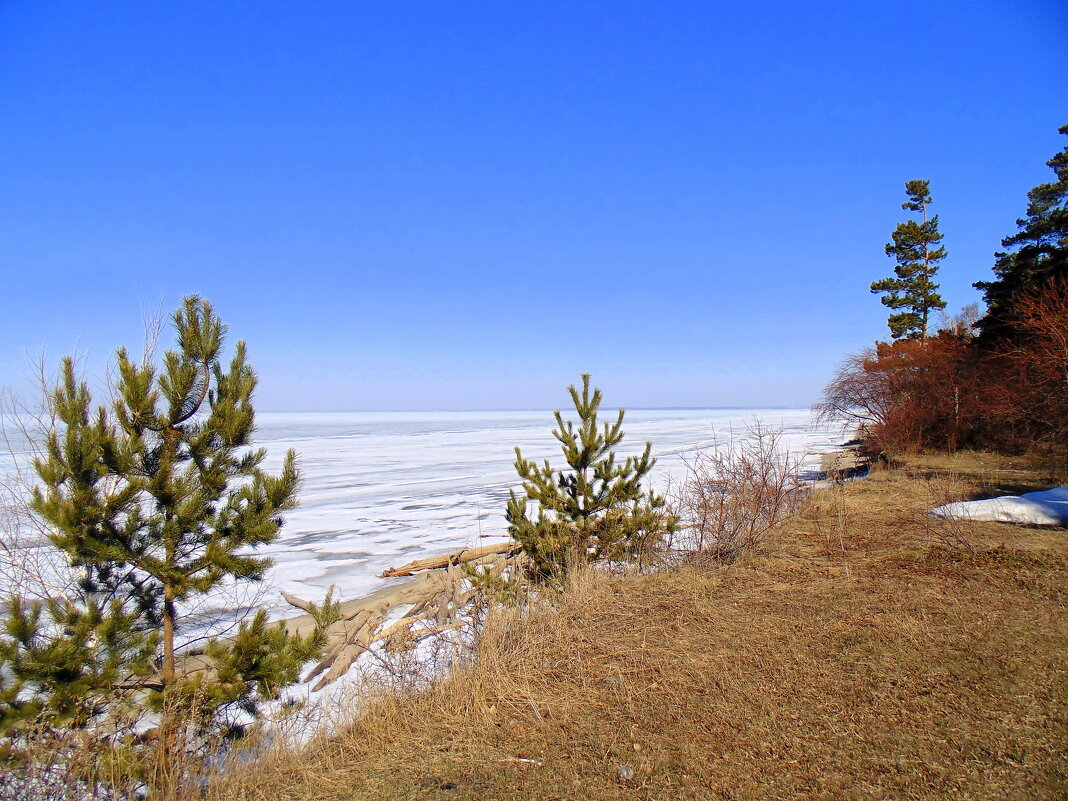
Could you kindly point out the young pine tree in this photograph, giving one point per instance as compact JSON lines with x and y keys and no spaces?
{"x":595,"y":509}
{"x":156,"y":500}
{"x":917,"y":250}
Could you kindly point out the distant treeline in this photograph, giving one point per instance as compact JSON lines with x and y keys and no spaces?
{"x":995,"y":380}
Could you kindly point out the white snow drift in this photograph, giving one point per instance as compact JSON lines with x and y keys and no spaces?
{"x":1044,"y":508}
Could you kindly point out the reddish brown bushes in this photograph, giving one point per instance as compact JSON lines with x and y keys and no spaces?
{"x":950,"y":391}
{"x":914,"y":393}
{"x":1038,"y":354}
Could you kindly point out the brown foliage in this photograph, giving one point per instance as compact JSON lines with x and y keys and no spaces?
{"x":1038,"y":358}
{"x":912,"y":394}
{"x":951,"y":391}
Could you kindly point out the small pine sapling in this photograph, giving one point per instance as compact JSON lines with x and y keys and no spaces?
{"x":595,"y":509}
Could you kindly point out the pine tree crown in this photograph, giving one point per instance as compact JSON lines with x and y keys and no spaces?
{"x":1036,"y":254}
{"x":916,"y":248}
{"x":155,"y":498}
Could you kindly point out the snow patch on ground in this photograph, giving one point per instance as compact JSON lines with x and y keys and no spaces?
{"x":1044,"y":508}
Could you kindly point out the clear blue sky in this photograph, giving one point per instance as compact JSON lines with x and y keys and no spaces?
{"x":463,"y":205}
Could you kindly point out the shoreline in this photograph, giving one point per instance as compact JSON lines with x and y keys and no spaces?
{"x":847,"y":461}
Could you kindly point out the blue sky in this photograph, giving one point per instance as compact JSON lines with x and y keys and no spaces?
{"x":464,"y":205}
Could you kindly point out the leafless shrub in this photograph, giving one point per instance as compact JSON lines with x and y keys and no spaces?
{"x":117,"y":759}
{"x":42,"y":762}
{"x":946,"y":530}
{"x":734,"y":494}
{"x":29,"y":566}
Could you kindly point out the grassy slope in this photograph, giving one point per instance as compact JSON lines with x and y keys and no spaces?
{"x":854,"y":658}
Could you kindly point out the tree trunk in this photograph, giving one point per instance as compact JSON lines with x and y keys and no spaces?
{"x":166,"y":770}
{"x":168,"y":634}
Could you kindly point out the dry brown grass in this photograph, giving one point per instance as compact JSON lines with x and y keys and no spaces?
{"x":854,"y":657}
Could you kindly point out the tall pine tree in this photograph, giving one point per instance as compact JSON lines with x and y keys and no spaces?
{"x":917,"y":249}
{"x":1036,"y":255}
{"x":596,"y":508}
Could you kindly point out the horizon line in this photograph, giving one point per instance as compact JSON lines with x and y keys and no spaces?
{"x":529,"y":409}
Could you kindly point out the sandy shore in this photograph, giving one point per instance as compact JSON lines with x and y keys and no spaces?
{"x":846,"y":462}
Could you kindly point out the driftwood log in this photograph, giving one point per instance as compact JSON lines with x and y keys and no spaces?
{"x":437,"y":599}
{"x":456,"y":557}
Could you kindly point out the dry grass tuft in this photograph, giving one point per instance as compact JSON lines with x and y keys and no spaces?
{"x":853,"y":657}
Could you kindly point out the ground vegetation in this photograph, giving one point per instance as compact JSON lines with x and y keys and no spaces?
{"x":864,"y":651}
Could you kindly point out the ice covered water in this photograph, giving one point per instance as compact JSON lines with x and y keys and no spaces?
{"x":382,"y":489}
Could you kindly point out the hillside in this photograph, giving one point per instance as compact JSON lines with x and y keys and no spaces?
{"x":865,"y":653}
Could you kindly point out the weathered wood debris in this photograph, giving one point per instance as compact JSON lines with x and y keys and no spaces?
{"x":438,"y":599}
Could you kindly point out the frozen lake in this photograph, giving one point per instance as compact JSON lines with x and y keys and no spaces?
{"x":381,"y":489}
